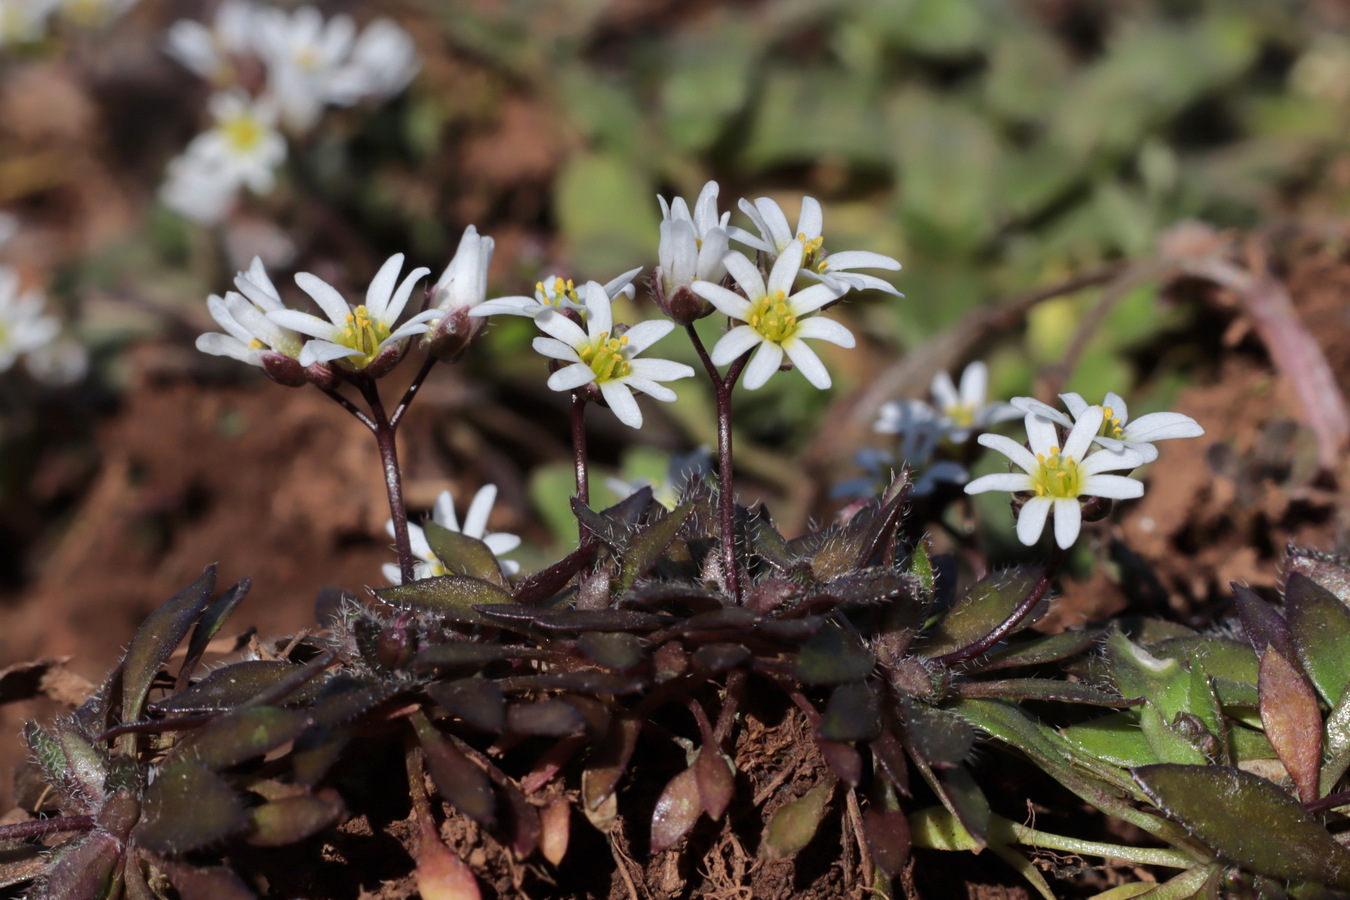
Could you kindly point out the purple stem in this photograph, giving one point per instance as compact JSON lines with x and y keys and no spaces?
{"x":43,"y":827}
{"x":1020,"y":612}
{"x":412,"y":390}
{"x":393,"y":480}
{"x":579,"y":449}
{"x":350,"y":407}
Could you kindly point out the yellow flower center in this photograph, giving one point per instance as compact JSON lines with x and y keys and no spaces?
{"x":607,"y":357}
{"x":557,"y":292}
{"x":1056,"y":476}
{"x":307,"y":58}
{"x":772,"y":317}
{"x":243,"y":133}
{"x":1111,"y":426}
{"x":364,"y":334}
{"x":963,"y":416}
{"x":811,"y":252}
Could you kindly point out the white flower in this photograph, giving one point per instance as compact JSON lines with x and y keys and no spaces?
{"x":1116,"y":429}
{"x":555,"y":293}
{"x":199,"y":189}
{"x":23,"y":327}
{"x":356,"y":336}
{"x":830,"y":268}
{"x":9,"y":226}
{"x":249,"y":334}
{"x":920,"y":428}
{"x":23,"y":21}
{"x":382,"y":63}
{"x":60,"y":363}
{"x":776,"y":321}
{"x":211,"y":52}
{"x":305,"y":56}
{"x":463,"y":284}
{"x":598,"y":356}
{"x":692,"y":246}
{"x":244,"y":147}
{"x":1058,"y":477}
{"x":969,"y":409}
{"x":475,"y":526}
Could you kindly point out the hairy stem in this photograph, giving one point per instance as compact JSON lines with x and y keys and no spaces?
{"x":1020,"y":612}
{"x":412,"y":390}
{"x":393,"y":477}
{"x":1147,"y":856}
{"x":579,"y":447}
{"x":43,"y":827}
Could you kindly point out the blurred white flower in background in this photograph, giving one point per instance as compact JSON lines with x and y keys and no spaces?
{"x":556,"y":293}
{"x":23,"y":327}
{"x":244,"y":144}
{"x":382,"y":63}
{"x":212,"y":52}
{"x":475,"y":526}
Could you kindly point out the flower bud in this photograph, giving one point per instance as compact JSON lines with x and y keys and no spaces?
{"x":683,"y":305}
{"x":386,"y":359}
{"x":452,"y":334}
{"x":283,"y":369}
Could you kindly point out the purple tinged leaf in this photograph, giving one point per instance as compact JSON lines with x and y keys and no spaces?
{"x":888,"y":752}
{"x":958,"y":791}
{"x":345,"y":698}
{"x":1043,"y":689}
{"x":120,"y":811}
{"x":209,"y":626}
{"x":209,"y":883}
{"x":769,"y":545}
{"x":84,"y":766}
{"x":477,"y":701}
{"x":1330,"y":571}
{"x":1247,"y":820}
{"x":464,"y":555}
{"x":316,"y":751}
{"x":665,"y":596}
{"x":1292,"y":721}
{"x":520,"y":818}
{"x":939,"y":738}
{"x":1044,"y":649}
{"x":645,"y":548}
{"x":887,"y":835}
{"x":593,"y":681}
{"x":577,"y":619}
{"x":669,"y":661}
{"x":458,"y":779}
{"x":440,"y":873}
{"x":795,"y":823}
{"x":630,"y":510}
{"x":186,"y":808}
{"x":716,"y":782}
{"x":292,"y":819}
{"x":715,"y":658}
{"x":235,"y":737}
{"x":1320,"y":626}
{"x":544,"y":584}
{"x":451,"y":597}
{"x":135,"y":886}
{"x":852,"y":714}
{"x":81,"y":869}
{"x":157,"y":637}
{"x":608,"y":762}
{"x":612,"y":533}
{"x":1262,"y":624}
{"x":233,"y":685}
{"x":982,"y":608}
{"x":613,"y":650}
{"x":544,"y":718}
{"x":843,"y":759}
{"x":677,"y":809}
{"x":833,"y":655}
{"x":467,"y":656}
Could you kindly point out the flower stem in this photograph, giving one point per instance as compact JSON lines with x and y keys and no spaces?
{"x":725,"y":495}
{"x":43,"y":827}
{"x":385,"y":431}
{"x":1020,"y":612}
{"x":579,"y":452}
{"x":350,"y":407}
{"x":412,"y":390}
{"x":1146,"y":856}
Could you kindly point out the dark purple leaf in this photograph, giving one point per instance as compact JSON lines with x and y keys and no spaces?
{"x":292,"y":819}
{"x":477,"y":701}
{"x":791,"y":629}
{"x":673,"y":597}
{"x":713,"y":658}
{"x":677,"y":809}
{"x":608,"y":762}
{"x":1256,"y":824}
{"x":612,"y":533}
{"x":464,"y":555}
{"x":236,"y":684}
{"x":833,"y":655}
{"x":546,"y":583}
{"x":960,"y":794}
{"x":613,"y":650}
{"x":135,"y":886}
{"x":982,"y":608}
{"x":869,"y":588}
{"x":627,"y":620}
{"x":210,"y":883}
{"x":768,"y":544}
{"x":1262,"y":624}
{"x":468,"y":656}
{"x":770,"y":593}
{"x":520,"y":818}
{"x":209,"y":626}
{"x":843,"y":759}
{"x":451,"y":597}
{"x":1320,"y":626}
{"x":316,"y":751}
{"x":716,"y":782}
{"x":887,"y":834}
{"x":940,"y":738}
{"x":459,"y":780}
{"x":234,"y":737}
{"x":888,"y":752}
{"x":157,"y":637}
{"x":83,"y":870}
{"x":853,"y":713}
{"x":346,"y":698}
{"x":669,"y":661}
{"x":645,"y":548}
{"x":186,"y":808}
{"x":795,"y":823}
{"x":1292,"y":721}
{"x":544,"y":718}
{"x":594,"y":681}
{"x":630,"y":510}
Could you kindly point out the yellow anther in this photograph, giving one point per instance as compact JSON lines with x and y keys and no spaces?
{"x":256,"y":344}
{"x":773,"y":317}
{"x":539,"y":286}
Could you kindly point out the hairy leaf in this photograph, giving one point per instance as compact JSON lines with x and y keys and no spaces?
{"x":1043,"y":689}
{"x":546,"y":583}
{"x":677,"y":809}
{"x":608,"y":762}
{"x":577,"y":619}
{"x":1330,"y":571}
{"x":982,"y":608}
{"x":464,"y":555}
{"x":291,"y":819}
{"x":795,"y":823}
{"x":940,"y":738}
{"x":1292,"y":721}
{"x":157,"y":637}
{"x":645,"y":547}
{"x":768,"y":544}
{"x":852,"y":714}
{"x":209,"y":625}
{"x":477,"y":701}
{"x":1042,"y":649}
{"x":83,"y":870}
{"x":346,"y":698}
{"x":187,"y":807}
{"x":236,"y":684}
{"x":458,"y":779}
{"x":833,"y":655}
{"x":468,"y":656}
{"x":452,"y":597}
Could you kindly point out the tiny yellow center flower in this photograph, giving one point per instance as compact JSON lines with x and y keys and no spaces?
{"x":1056,"y":476}
{"x":607,"y":357}
{"x":772,"y":317}
{"x":1111,"y":426}
{"x":243,"y":133}
{"x":364,"y":334}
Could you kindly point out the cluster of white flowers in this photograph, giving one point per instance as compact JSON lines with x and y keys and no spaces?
{"x":475,"y":526}
{"x":27,"y":331}
{"x":1059,"y":470}
{"x":27,"y":21}
{"x":274,"y":71}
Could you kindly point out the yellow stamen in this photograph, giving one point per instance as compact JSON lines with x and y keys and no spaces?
{"x":1057,"y":476}
{"x":607,"y":358}
{"x":772,"y":317}
{"x":243,"y":133}
{"x":364,"y":334}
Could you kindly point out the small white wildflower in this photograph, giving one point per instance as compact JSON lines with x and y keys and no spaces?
{"x":382,"y":62}
{"x":244,"y":146}
{"x":475,"y":526}
{"x":555,"y":293}
{"x":23,"y":327}
{"x":968,"y":409}
{"x":250,"y":336}
{"x":358,"y":336}
{"x":199,"y":189}
{"x":833,"y":269}
{"x":598,"y":356}
{"x":305,"y":56}
{"x":1116,"y":429}
{"x":1057,"y":477}
{"x":212,"y":52}
{"x":692,"y":248}
{"x":776,"y":320}
{"x":461,"y":288}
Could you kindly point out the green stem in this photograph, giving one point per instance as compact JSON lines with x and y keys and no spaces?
{"x":1144,"y":856}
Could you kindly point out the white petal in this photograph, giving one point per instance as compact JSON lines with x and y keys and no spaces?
{"x":660,"y":369}
{"x":999,"y":481}
{"x":382,"y":285}
{"x":823,"y":329}
{"x":1118,"y":407}
{"x":500,"y":542}
{"x":859,"y":259}
{"x":1068,"y":520}
{"x":1031,"y":520}
{"x":1113,"y":487}
{"x":1162,"y":426}
{"x":1074,"y":403}
{"x":944,"y":392}
{"x":650,"y":388}
{"x":1044,"y":410}
{"x":644,"y":334}
{"x":746,"y":274}
{"x":1107,"y":460}
{"x":813,"y":298}
{"x":325,"y":351}
{"x":811,"y":219}
{"x":784,"y":274}
{"x":741,"y":236}
{"x":510,"y":306}
{"x":599,"y":314}
{"x":762,"y":365}
{"x":1084,"y":430}
{"x":395,"y":307}
{"x":734,"y":343}
{"x":571,"y":377}
{"x":305,"y":324}
{"x":476,"y":519}
{"x":621,"y":402}
{"x":443,"y":512}
{"x":555,"y":349}
{"x":806,"y":361}
{"x":1020,"y":456}
{"x":561,"y":327}
{"x":775,"y":224}
{"x":1041,"y":434}
{"x":392,"y":573}
{"x":974,"y":385}
{"x":218,"y":344}
{"x":727,"y":303}
{"x":324,"y":294}
{"x":622,"y":284}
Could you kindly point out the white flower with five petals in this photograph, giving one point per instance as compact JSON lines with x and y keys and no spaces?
{"x":428,"y":565}
{"x":1057,"y":477}
{"x":356,"y":336}
{"x":599,"y":356}
{"x":776,"y":321}
{"x":968,"y":408}
{"x":553,"y":292}
{"x":244,"y":147}
{"x":305,"y":57}
{"x":1116,"y":429}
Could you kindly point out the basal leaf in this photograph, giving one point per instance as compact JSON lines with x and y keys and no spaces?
{"x":235,"y":684}
{"x":546,"y":718}
{"x":852,"y":714}
{"x":244,"y":734}
{"x":833,"y":655}
{"x":940,"y":738}
{"x":645,"y":548}
{"x":450,"y":596}
{"x":458,"y":779}
{"x":291,"y":819}
{"x":464,"y":555}
{"x":186,"y":808}
{"x":982,"y":608}
{"x":1330,"y":571}
{"x":1262,"y":624}
{"x":157,"y":637}
{"x":207,"y":883}
{"x":677,"y":809}
{"x":716,"y":781}
{"x":477,"y":701}
{"x":1292,"y":721}
{"x":795,"y":823}
{"x":1116,"y":739}
{"x":887,"y":834}
{"x":613,"y":650}
{"x":209,"y":626}
{"x":83,"y":870}
{"x":1320,"y":626}
{"x":1042,"y":649}
{"x":608,"y":762}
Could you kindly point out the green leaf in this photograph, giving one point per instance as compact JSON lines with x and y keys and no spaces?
{"x":241,"y":735}
{"x":236,"y":684}
{"x":645,"y":547}
{"x":1042,"y":649}
{"x":852,"y":714}
{"x":1041,"y":689}
{"x":1288,"y":844}
{"x":833,"y":655}
{"x":1320,"y":626}
{"x":186,"y":808}
{"x":449,"y":596}
{"x":1116,"y":739}
{"x":795,"y":823}
{"x":458,"y":779}
{"x":464,"y":555}
{"x":210,"y":624}
{"x":157,"y":637}
{"x":291,"y":819}
{"x":938,"y":737}
{"x":981,"y":609}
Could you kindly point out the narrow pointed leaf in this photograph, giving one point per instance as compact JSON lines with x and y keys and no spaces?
{"x":235,"y":737}
{"x":795,"y":823}
{"x":608,"y":762}
{"x":1320,"y":626}
{"x":477,"y":701}
{"x":768,"y":544}
{"x":545,"y":583}
{"x":157,"y":638}
{"x":833,"y":656}
{"x":464,"y":555}
{"x":451,"y":596}
{"x":645,"y":548}
{"x":1288,"y":843}
{"x":458,"y":779}
{"x":613,"y":534}
{"x":209,"y":626}
{"x":232,"y":686}
{"x":1262,"y":624}
{"x":1044,"y":689}
{"x":1041,"y":650}
{"x":186,"y":808}
{"x":716,"y":782}
{"x":1292,"y":721}
{"x":677,"y":809}
{"x":843,"y":759}
{"x":981,"y":609}
{"x":291,"y":819}
{"x":887,"y":835}
{"x":345,"y":698}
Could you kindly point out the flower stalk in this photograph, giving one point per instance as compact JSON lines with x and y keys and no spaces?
{"x":579,"y":447}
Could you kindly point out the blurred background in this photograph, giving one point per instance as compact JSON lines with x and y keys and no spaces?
{"x":1041,"y":168}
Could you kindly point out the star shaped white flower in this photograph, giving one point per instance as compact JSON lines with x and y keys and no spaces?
{"x":829,"y":268}
{"x":475,"y":526}
{"x":305,"y":56}
{"x":1057,"y":476}
{"x":693,"y":245}
{"x":23,"y":327}
{"x":598,"y":356}
{"x":462,"y":286}
{"x":211,"y":52}
{"x":249,"y":334}
{"x":1117,"y":430}
{"x":383,"y":61}
{"x":356,"y":336}
{"x":244,"y":147}
{"x":555,"y":293}
{"x":968,"y":409}
{"x":199,"y":189}
{"x":775,"y":320}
